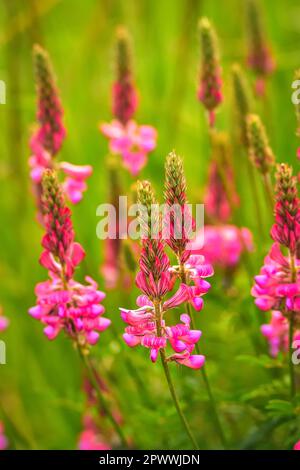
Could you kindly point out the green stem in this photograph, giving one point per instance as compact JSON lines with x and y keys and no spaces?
{"x":102,"y":402}
{"x":158,"y":315}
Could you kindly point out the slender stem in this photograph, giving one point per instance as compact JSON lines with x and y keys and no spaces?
{"x":158,"y":315}
{"x":203,"y":371}
{"x":102,"y":402}
{"x":269,"y":190}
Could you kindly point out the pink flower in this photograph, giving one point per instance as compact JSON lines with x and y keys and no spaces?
{"x":217,"y":206}
{"x":223,"y":245}
{"x":3,"y":438}
{"x":277,"y":333}
{"x":74,"y":185}
{"x":89,"y":440}
{"x":4,"y":322}
{"x":131,"y":141}
{"x":142,"y":330}
{"x":91,"y":436}
{"x":62,"y":302}
{"x":297,"y":446}
{"x":273,"y":289}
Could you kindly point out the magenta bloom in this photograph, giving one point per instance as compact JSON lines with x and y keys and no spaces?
{"x":131,"y":141}
{"x":91,"y":437}
{"x":62,"y":302}
{"x":223,"y":245}
{"x":142,"y":330}
{"x":277,"y":333}
{"x":3,"y":438}
{"x":273,"y":289}
{"x":297,"y":446}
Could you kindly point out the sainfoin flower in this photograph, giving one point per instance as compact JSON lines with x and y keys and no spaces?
{"x":131,"y":141}
{"x":286,"y":229}
{"x":147,"y":325}
{"x":47,"y":139}
{"x":274,"y":288}
{"x":3,"y":438}
{"x":62,"y":302}
{"x":223,"y":245}
{"x":209,"y":92}
{"x":277,"y":333}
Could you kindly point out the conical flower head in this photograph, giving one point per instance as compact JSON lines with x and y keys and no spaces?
{"x":178,"y":221}
{"x":286,"y":229}
{"x":210,"y":74}
{"x":51,"y":133}
{"x":124,"y":93}
{"x":259,"y":149}
{"x":153,"y":278}
{"x":57,"y":218}
{"x":242,"y":99}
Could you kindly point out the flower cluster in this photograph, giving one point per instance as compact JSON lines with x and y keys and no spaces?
{"x":277,"y":333}
{"x":209,"y":92}
{"x":286,"y":229}
{"x":131,"y":141}
{"x":3,"y":438}
{"x":274,"y":287}
{"x":223,"y":245}
{"x":147,"y":325}
{"x":259,"y":57}
{"x":47,"y":139}
{"x":126,"y":138}
{"x":62,"y":302}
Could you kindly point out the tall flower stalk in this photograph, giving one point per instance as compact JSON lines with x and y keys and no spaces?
{"x":64,"y":304}
{"x":209,"y":91}
{"x":277,"y":287}
{"x":49,"y":134}
{"x":147,"y":326}
{"x":127,"y":139}
{"x":190,"y":268}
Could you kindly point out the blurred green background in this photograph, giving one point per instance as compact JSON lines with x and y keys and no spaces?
{"x":41,"y":401}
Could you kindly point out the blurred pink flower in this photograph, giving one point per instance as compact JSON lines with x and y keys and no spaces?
{"x":3,"y":438}
{"x":223,"y":245}
{"x":277,"y":333}
{"x":297,"y":446}
{"x":91,"y":437}
{"x":4,"y":322}
{"x":131,"y":141}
